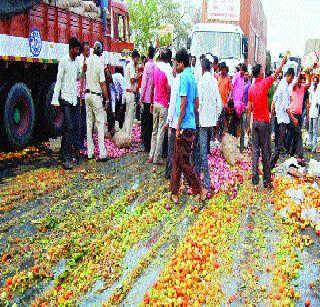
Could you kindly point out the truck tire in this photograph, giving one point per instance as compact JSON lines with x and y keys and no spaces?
{"x":54,"y":118}
{"x":17,"y":116}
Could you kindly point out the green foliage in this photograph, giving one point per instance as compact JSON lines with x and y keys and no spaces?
{"x":148,"y":16}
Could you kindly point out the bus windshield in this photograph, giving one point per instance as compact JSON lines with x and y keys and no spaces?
{"x":222,"y":44}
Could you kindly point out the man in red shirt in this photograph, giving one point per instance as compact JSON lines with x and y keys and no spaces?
{"x":261,"y":131}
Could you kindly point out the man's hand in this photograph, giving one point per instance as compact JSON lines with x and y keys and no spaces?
{"x":295,"y":122}
{"x":178,"y":134}
{"x":284,"y":60}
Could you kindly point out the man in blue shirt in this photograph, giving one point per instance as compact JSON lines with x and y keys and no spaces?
{"x":186,"y":105}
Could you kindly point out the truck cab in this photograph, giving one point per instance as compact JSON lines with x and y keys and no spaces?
{"x":226,"y":41}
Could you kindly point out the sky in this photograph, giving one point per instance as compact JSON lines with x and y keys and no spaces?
{"x":290,"y":24}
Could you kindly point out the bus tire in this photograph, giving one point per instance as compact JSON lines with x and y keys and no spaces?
{"x":17,"y":116}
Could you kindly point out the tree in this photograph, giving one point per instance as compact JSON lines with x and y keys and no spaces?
{"x":268,"y":61}
{"x":148,"y":16}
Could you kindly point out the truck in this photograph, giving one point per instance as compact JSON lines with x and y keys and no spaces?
{"x":33,"y":38}
{"x":233,"y":30}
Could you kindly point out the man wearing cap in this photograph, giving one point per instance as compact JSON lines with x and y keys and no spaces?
{"x":96,"y":90}
{"x":131,"y":84}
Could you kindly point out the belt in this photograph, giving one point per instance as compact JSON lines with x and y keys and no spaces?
{"x":90,"y":92}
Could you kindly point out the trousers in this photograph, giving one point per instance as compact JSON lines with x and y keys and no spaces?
{"x":146,"y":126}
{"x":182,"y":163}
{"x":279,"y":142}
{"x":296,"y":134}
{"x":171,"y":145}
{"x":202,"y":155}
{"x":159,"y":119}
{"x":130,"y":112}
{"x":261,"y":142}
{"x":95,"y":114}
{"x":69,"y":112}
{"x":313,"y":133}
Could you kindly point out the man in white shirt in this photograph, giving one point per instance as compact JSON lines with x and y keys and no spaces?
{"x":131,"y":89}
{"x":120,"y":87}
{"x":313,"y":114}
{"x":283,"y":114}
{"x":96,"y":90}
{"x":65,"y":97}
{"x":210,"y":106}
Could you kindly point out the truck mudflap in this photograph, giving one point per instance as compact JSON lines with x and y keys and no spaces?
{"x":9,"y":8}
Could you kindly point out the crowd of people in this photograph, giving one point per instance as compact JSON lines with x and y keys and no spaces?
{"x":183,"y":107}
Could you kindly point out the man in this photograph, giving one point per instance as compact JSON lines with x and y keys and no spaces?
{"x":131,"y":90}
{"x":283,"y":114}
{"x":96,"y":91}
{"x":244,"y":119}
{"x":193,"y":62}
{"x":111,"y":105}
{"x":80,"y":119}
{"x":237,"y":93}
{"x":140,"y":70}
{"x":299,"y":89}
{"x":65,"y":97}
{"x":261,"y":132}
{"x":120,"y":87}
{"x":146,"y":99}
{"x":172,"y":120}
{"x":210,"y":106}
{"x":162,"y":86}
{"x":313,"y":114}
{"x":186,"y":105}
{"x":225,"y":89}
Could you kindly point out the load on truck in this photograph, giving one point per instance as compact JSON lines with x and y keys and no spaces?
{"x":233,"y":30}
{"x":33,"y":38}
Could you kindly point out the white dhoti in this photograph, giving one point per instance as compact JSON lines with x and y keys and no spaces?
{"x":130,"y":104}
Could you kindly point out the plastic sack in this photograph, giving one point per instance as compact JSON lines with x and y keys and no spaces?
{"x":230,"y":150}
{"x":314,"y":168}
{"x":122,"y":139}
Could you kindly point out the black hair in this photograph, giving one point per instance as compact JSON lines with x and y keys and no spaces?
{"x":206,"y":65}
{"x":135,"y":54}
{"x":83,"y":45}
{"x":243,"y":67}
{"x":151,"y":52}
{"x":269,"y":73}
{"x":167,"y":55}
{"x":256,"y":70}
{"x":143,"y":57}
{"x":215,"y":59}
{"x":290,"y":72}
{"x":119,"y":70}
{"x":237,"y":68}
{"x":183,"y":57}
{"x":74,"y":43}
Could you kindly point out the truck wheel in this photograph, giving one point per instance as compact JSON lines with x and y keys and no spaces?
{"x":18,"y":116}
{"x":54,"y":118}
